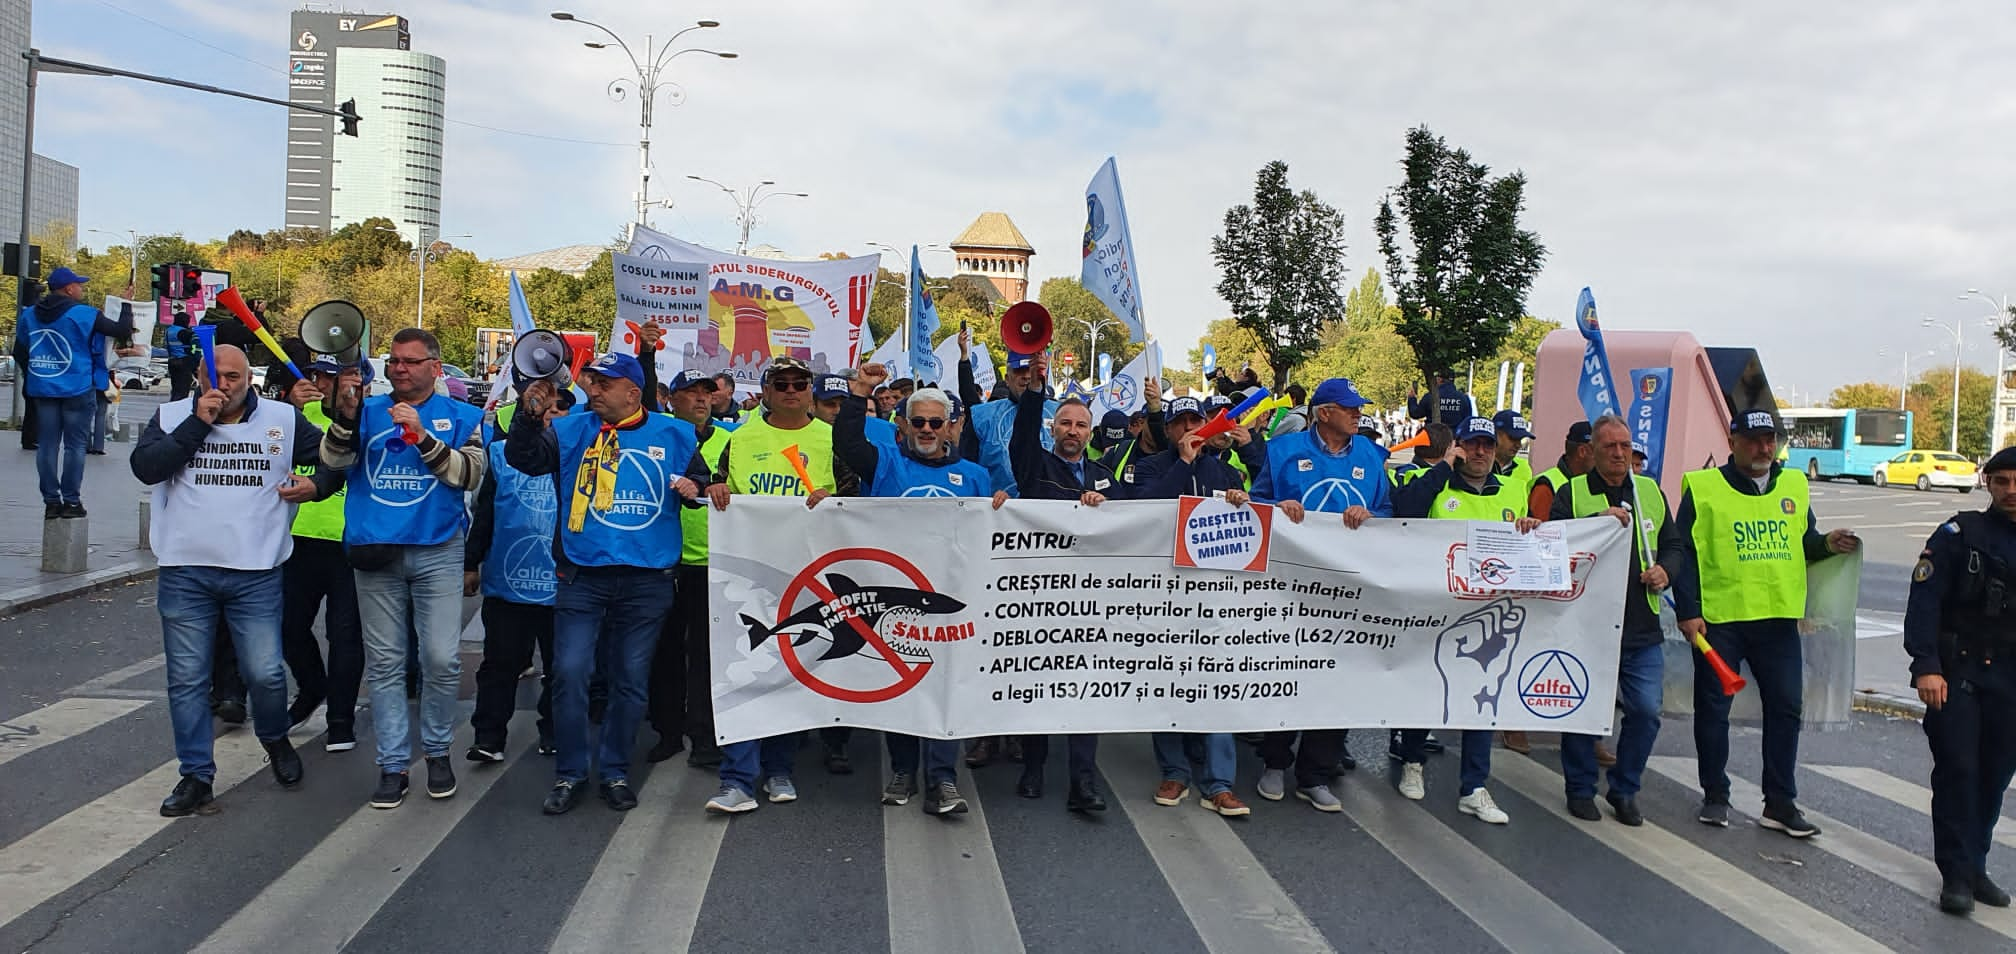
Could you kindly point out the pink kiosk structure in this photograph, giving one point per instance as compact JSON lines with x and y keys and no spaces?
{"x":1709,"y":384}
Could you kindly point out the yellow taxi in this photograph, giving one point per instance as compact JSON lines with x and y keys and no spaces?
{"x":1926,"y":469}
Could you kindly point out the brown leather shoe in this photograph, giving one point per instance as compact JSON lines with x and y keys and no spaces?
{"x":1516,"y":741}
{"x":981,"y":753}
{"x":1604,"y":756}
{"x":1170,"y":792}
{"x":1227,"y":804}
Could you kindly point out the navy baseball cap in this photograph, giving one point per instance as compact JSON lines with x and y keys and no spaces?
{"x":1475,"y":427}
{"x":1113,"y":426}
{"x":1177,"y":407}
{"x":693,"y":379}
{"x":1215,"y":403}
{"x":64,"y":276}
{"x":830,"y":386}
{"x":616,"y":364}
{"x":1509,"y":422}
{"x":1580,"y":433}
{"x":1638,"y":450}
{"x":954,"y":408}
{"x":1017,"y":360}
{"x":1337,"y":391}
{"x":1753,"y":421}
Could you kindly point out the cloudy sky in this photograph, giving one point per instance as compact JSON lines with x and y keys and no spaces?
{"x":1810,"y":181}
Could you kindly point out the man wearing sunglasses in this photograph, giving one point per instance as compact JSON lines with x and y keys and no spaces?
{"x":924,"y":463}
{"x":753,"y":462}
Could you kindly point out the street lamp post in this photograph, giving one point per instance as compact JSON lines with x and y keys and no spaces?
{"x":1092,"y":347}
{"x":647,"y":82}
{"x":421,"y":253}
{"x":1904,"y":383}
{"x":133,"y":240}
{"x":1994,"y":323}
{"x":746,"y":202}
{"x":1953,"y":431}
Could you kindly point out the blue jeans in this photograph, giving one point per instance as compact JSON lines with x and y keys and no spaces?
{"x":939,"y":756}
{"x":63,"y":426}
{"x":191,"y":599}
{"x":611,"y":616}
{"x":1771,"y":647}
{"x":425,"y":584}
{"x":1639,"y":672}
{"x":1214,"y":753}
{"x":773,"y":757}
{"x":1476,"y":755}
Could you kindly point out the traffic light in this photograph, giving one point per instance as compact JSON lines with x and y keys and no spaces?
{"x":192,"y":282}
{"x":164,"y":282}
{"x":349,"y":109}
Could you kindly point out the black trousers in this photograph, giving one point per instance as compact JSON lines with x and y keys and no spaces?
{"x":1081,"y":755}
{"x":1973,"y":741}
{"x":1313,"y":760}
{"x":181,"y":376}
{"x":682,"y":688}
{"x":316,"y":574}
{"x":510,"y":631}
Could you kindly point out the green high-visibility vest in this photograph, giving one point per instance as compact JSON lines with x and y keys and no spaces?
{"x":693,"y":520}
{"x":319,"y":519}
{"x":1588,"y":503}
{"x":1750,"y":547}
{"x":1521,"y":476}
{"x":757,"y":465}
{"x":1499,"y":506}
{"x":1553,"y":477}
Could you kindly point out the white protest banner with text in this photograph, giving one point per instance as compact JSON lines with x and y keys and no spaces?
{"x":656,"y":291}
{"x":947,"y":619}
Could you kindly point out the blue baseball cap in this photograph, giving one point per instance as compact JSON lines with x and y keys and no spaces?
{"x":1017,"y":360}
{"x":1215,"y":403}
{"x":1177,"y":407}
{"x":954,"y":408}
{"x":616,"y":364}
{"x":693,"y":379}
{"x":1509,"y":422}
{"x":64,"y":276}
{"x":1475,"y":427}
{"x":1753,"y":421}
{"x":1113,"y":426}
{"x":1337,"y":391}
{"x":830,"y":386}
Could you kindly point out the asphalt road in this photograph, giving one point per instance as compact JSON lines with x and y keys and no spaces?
{"x":85,"y":865}
{"x":1893,"y":524}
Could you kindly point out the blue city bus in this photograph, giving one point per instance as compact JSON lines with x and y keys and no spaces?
{"x":1830,"y":442}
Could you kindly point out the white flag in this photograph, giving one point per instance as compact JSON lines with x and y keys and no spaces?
{"x":1124,"y":392}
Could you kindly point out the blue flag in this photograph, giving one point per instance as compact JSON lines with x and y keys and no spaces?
{"x":521,"y":313}
{"x":1109,"y":272}
{"x":1649,"y":387}
{"x":1210,"y":359}
{"x":923,"y":321}
{"x":1597,"y":393}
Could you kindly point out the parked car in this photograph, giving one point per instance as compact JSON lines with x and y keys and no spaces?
{"x":6,"y":367}
{"x":1927,"y":469}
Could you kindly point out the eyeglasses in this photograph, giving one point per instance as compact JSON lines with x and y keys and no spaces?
{"x":927,"y":423}
{"x":791,"y":384}
{"x":407,"y":362}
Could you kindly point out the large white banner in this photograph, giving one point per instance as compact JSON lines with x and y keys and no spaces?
{"x":1048,"y":616}
{"x":758,"y":307}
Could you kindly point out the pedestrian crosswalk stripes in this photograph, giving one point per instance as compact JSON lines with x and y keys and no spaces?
{"x":64,"y":852}
{"x":648,"y":885}
{"x":651,"y":879}
{"x":58,"y":721}
{"x":950,"y":860}
{"x":1772,"y":914}
{"x":1916,"y":797}
{"x":1914,"y":873}
{"x":314,"y":906}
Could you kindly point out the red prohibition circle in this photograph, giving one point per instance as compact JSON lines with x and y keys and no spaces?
{"x":907,"y":676}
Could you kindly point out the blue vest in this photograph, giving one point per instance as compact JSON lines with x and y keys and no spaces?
{"x":882,"y":434}
{"x":519,"y":566}
{"x":642,"y":528}
{"x":899,"y":475}
{"x":993,"y":422}
{"x":393,"y":497}
{"x":60,"y":354}
{"x":1300,"y":468}
{"x":177,"y":350}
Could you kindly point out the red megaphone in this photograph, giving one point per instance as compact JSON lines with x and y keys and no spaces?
{"x":1026,"y":328}
{"x":583,"y":345}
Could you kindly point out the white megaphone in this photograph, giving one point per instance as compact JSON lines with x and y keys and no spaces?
{"x":542,"y":355}
{"x":337,"y":329}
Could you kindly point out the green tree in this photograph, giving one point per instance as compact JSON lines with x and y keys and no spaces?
{"x":1070,"y":303}
{"x":1282,"y":268}
{"x":1863,"y":394}
{"x":1237,"y":347}
{"x":1930,"y":401}
{"x":1462,"y":271}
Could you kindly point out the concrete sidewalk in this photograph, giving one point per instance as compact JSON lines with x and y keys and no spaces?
{"x":112,"y":496}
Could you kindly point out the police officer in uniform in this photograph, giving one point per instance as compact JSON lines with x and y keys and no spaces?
{"x":1746,"y":534}
{"x":1512,"y":470}
{"x":1960,"y":629}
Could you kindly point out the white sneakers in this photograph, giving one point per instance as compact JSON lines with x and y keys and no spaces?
{"x":1412,"y":786}
{"x":1479,"y":803}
